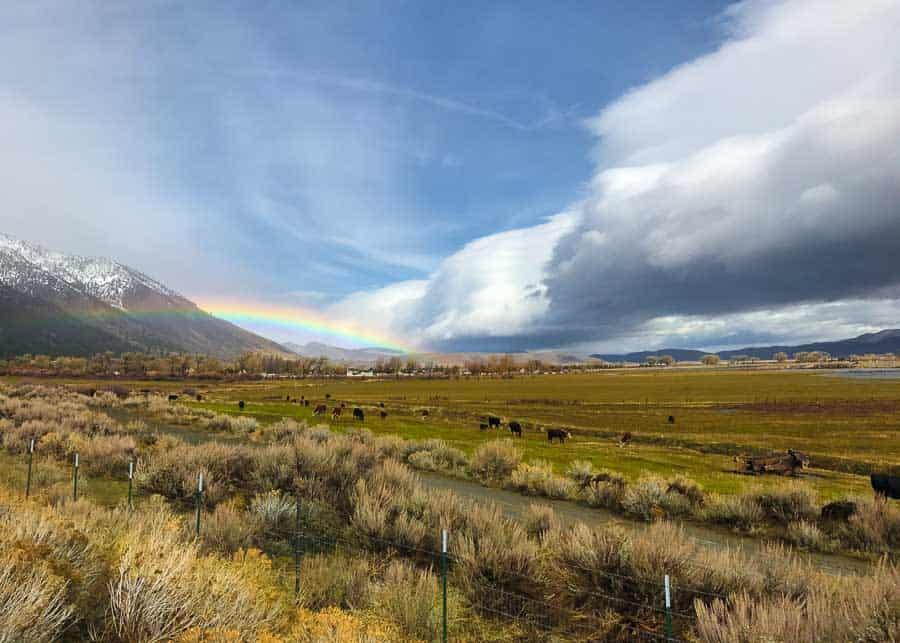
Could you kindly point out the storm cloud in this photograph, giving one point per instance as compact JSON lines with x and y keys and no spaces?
{"x":760,"y":177}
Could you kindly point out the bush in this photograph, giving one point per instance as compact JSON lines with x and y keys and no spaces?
{"x":649,"y":499}
{"x":582,"y":472}
{"x":736,"y":511}
{"x":335,"y":581}
{"x":875,"y":527}
{"x":538,"y":479}
{"x":410,"y":598}
{"x":539,"y":520}
{"x":228,"y":529}
{"x":786,"y":504}
{"x":807,"y":536}
{"x":495,"y":460}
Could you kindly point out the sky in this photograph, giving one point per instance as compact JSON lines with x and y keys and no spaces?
{"x":497,"y":176}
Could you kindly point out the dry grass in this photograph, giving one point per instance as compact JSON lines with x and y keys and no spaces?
{"x":495,"y":460}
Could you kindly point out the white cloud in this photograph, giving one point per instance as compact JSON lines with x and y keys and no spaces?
{"x":761,"y":177}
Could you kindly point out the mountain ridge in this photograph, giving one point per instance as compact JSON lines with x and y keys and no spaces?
{"x":883,"y":341}
{"x":113,"y":307}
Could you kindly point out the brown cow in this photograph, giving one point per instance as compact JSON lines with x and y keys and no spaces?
{"x":626,"y":439}
{"x":320,"y":409}
{"x":383,"y":414}
{"x":335,"y":413}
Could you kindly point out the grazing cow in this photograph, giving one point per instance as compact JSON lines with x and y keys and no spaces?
{"x":886,"y":485}
{"x":320,"y":409}
{"x":423,"y":413}
{"x":172,"y":398}
{"x":335,"y":413}
{"x":241,"y":405}
{"x":626,"y":439}
{"x":671,"y":419}
{"x":328,"y":396}
{"x":839,"y":510}
{"x":381,"y":404}
{"x":343,"y":405}
{"x":306,"y":403}
{"x":558,"y":434}
{"x":199,"y":397}
{"x":482,"y":427}
{"x":287,"y":398}
{"x":383,"y":414}
{"x":493,"y":422}
{"x":515,"y":428}
{"x":359,"y":415}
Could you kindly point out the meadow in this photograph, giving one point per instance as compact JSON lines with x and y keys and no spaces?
{"x":848,"y":427}
{"x":93,"y":569}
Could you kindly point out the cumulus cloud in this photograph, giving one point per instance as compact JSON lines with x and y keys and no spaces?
{"x":763,"y":176}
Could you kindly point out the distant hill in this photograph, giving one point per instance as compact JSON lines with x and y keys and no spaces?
{"x":885,"y":341}
{"x":60,"y":304}
{"x":338,"y":354}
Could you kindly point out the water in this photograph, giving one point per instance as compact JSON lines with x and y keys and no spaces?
{"x":869,"y":373}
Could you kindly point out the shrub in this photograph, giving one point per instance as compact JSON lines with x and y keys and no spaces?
{"x":786,"y":504}
{"x":736,"y":511}
{"x":687,"y":488}
{"x":807,"y":535}
{"x":410,"y":598}
{"x":335,"y":581}
{"x":874,"y":527}
{"x":581,"y":471}
{"x":423,"y":460}
{"x":228,"y":529}
{"x":538,"y":479}
{"x":539,"y":520}
{"x":495,"y":460}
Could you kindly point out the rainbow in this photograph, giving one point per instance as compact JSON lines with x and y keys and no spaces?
{"x":244,"y":312}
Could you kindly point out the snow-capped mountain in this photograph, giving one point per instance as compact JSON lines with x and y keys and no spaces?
{"x":53,"y":302}
{"x":24,"y":266}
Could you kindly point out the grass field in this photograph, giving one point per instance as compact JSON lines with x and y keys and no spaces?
{"x":847,"y":426}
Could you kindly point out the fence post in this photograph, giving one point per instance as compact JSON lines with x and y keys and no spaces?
{"x":130,"y":479}
{"x":75,"y":479}
{"x":199,"y":500}
{"x":668,"y":611}
{"x":297,"y":543}
{"x":444,"y":581}
{"x":30,"y":458}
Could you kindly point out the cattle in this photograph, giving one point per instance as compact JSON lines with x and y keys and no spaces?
{"x":381,"y":404}
{"x":671,"y":419}
{"x":482,"y":427}
{"x":335,"y":413}
{"x":306,"y":403}
{"x":885,"y":484}
{"x":493,"y":422}
{"x":320,"y":409}
{"x":626,"y":439}
{"x":423,"y":413}
{"x":241,"y":405}
{"x":838,"y":511}
{"x":558,"y":434}
{"x":328,"y":396}
{"x":343,"y":405}
{"x":199,"y":398}
{"x":383,"y":414}
{"x":172,"y":398}
{"x":359,"y":415}
{"x":515,"y":428}
{"x":287,"y":398}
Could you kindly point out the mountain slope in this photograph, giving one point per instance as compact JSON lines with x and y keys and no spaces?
{"x":123,"y":308}
{"x":885,"y":341}
{"x":338,"y":354}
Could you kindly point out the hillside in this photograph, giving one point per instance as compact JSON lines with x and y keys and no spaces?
{"x":63,"y":304}
{"x":885,"y":341}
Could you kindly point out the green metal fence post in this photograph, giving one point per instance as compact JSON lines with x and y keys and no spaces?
{"x":668,"y":611}
{"x":30,"y":458}
{"x":75,"y":479}
{"x":297,"y":544}
{"x":130,"y":481}
{"x":199,"y":500}
{"x":444,"y":580}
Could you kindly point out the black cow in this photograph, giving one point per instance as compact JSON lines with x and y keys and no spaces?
{"x":558,"y":434}
{"x":383,"y":414}
{"x":320,"y":409}
{"x":305,"y":402}
{"x":482,"y":427}
{"x":343,"y":405}
{"x":515,"y":428}
{"x":241,"y":405}
{"x":328,"y":396}
{"x":671,"y":419}
{"x":287,"y":398}
{"x":493,"y":422}
{"x":381,"y":404}
{"x":199,"y":398}
{"x":359,"y":415}
{"x":626,"y":438}
{"x":886,"y":485}
{"x":839,"y":510}
{"x":172,"y":398}
{"x":423,"y":413}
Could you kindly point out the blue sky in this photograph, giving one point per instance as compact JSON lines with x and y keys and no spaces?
{"x":440,"y":170}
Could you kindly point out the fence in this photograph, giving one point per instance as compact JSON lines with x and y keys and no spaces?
{"x":651,"y":620}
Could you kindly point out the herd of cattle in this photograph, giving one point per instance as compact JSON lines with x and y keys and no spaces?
{"x":884,"y":484}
